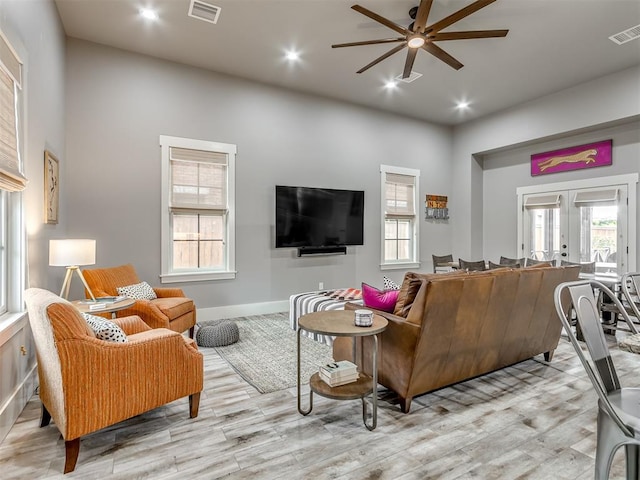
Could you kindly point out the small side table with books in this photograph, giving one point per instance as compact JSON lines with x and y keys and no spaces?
{"x":104,"y":305}
{"x":341,"y":323}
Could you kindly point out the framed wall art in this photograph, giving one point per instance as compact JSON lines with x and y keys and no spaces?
{"x":591,"y":155}
{"x":51,"y":187}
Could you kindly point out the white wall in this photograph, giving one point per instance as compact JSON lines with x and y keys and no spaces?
{"x":118,"y":103}
{"x":504,"y":171}
{"x":585,"y":111}
{"x":34,"y":30}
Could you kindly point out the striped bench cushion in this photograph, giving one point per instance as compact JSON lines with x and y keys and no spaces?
{"x":308,"y":302}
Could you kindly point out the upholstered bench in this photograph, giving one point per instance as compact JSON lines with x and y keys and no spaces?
{"x":308,"y":302}
{"x":219,"y":333}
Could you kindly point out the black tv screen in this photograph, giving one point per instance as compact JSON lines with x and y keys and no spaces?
{"x":318,"y":217}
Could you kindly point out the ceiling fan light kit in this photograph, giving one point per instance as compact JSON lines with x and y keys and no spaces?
{"x":419,"y":35}
{"x":416,"y":41}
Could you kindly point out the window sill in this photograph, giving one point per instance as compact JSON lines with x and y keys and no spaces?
{"x":10,"y":324}
{"x":399,"y":266}
{"x":196,"y":277}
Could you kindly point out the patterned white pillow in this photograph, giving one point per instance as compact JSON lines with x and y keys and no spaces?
{"x":139,"y":291}
{"x":390,"y":284}
{"x":104,"y":329}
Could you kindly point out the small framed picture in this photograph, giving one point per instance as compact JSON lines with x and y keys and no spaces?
{"x":51,"y":187}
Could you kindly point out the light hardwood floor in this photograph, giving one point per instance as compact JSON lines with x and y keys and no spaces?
{"x":530,"y":421}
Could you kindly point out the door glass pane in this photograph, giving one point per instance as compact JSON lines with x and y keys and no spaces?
{"x":545,"y":233}
{"x":599,"y":236}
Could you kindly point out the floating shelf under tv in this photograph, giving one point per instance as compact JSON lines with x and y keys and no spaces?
{"x":334,"y":250}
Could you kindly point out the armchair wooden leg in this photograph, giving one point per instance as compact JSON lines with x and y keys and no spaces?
{"x":72,"y":448}
{"x":194,"y":405}
{"x":548,"y":355}
{"x":45,"y":417}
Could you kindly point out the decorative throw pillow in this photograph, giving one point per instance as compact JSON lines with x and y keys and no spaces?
{"x":139,"y":291}
{"x":104,"y":329}
{"x":384,"y":300}
{"x":390,"y":284}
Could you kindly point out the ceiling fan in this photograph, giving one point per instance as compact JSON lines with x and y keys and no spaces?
{"x":419,"y":35}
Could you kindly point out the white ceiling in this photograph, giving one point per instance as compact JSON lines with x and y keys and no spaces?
{"x":551,"y":45}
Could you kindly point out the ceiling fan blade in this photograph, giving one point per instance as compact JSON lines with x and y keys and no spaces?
{"x":379,"y":59}
{"x":422,"y":15}
{"x":369,"y":42}
{"x":466,"y":35}
{"x":408,"y":64}
{"x":387,"y":23}
{"x":459,"y":15}
{"x":442,"y":55}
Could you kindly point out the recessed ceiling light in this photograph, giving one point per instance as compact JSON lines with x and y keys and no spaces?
{"x":292,"y":55}
{"x":462,"y":105}
{"x":148,"y":13}
{"x":391,"y":84}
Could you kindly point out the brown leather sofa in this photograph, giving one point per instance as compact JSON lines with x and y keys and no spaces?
{"x":447,"y":328}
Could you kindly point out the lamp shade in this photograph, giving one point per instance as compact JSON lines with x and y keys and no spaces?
{"x":72,"y":252}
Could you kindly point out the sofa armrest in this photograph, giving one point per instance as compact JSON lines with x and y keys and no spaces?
{"x":148,"y":312}
{"x":165,"y":292}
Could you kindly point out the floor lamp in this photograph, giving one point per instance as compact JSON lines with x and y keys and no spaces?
{"x":72,"y":254}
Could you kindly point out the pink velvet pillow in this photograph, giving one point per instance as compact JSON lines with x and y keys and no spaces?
{"x":384,"y":300}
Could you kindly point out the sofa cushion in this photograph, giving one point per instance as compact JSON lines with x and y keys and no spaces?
{"x":389,"y":284}
{"x":138,"y":291}
{"x":384,"y":300}
{"x":174,"y":307}
{"x":411,"y":285}
{"x":105,"y":329}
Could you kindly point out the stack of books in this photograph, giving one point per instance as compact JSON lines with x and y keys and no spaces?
{"x":338,"y":373}
{"x":102,"y":303}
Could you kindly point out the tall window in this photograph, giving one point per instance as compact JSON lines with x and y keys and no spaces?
{"x":198,"y":210}
{"x":400,"y":188}
{"x":11,"y":181}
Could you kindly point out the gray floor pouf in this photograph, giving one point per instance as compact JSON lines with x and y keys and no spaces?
{"x":218,"y":334}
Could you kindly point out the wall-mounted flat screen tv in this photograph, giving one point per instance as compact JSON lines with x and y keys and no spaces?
{"x":318,"y":217}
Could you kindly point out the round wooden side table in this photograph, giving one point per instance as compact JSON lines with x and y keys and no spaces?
{"x":84,"y":306}
{"x":340,"y":323}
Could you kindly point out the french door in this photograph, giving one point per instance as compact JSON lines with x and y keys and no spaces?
{"x":583,"y":225}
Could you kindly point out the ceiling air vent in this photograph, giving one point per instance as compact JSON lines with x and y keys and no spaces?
{"x":626,"y":36}
{"x":414,"y":76}
{"x":204,"y":11}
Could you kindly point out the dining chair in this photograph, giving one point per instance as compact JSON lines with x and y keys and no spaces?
{"x":585,"y":267}
{"x":533,"y":261}
{"x":512,"y":261}
{"x":630,"y":288}
{"x":618,"y":421}
{"x":493,"y":266}
{"x":442,"y":261}
{"x":472,"y":266}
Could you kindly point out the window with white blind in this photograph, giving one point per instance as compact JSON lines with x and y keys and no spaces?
{"x":198,"y":219}
{"x":12,"y":182}
{"x":399,"y":193}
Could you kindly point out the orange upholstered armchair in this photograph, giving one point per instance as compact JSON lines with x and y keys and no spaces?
{"x":87,"y":384}
{"x":170,"y":310}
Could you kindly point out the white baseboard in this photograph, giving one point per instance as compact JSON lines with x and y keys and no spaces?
{"x":232,"y":311}
{"x":11,"y":410}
